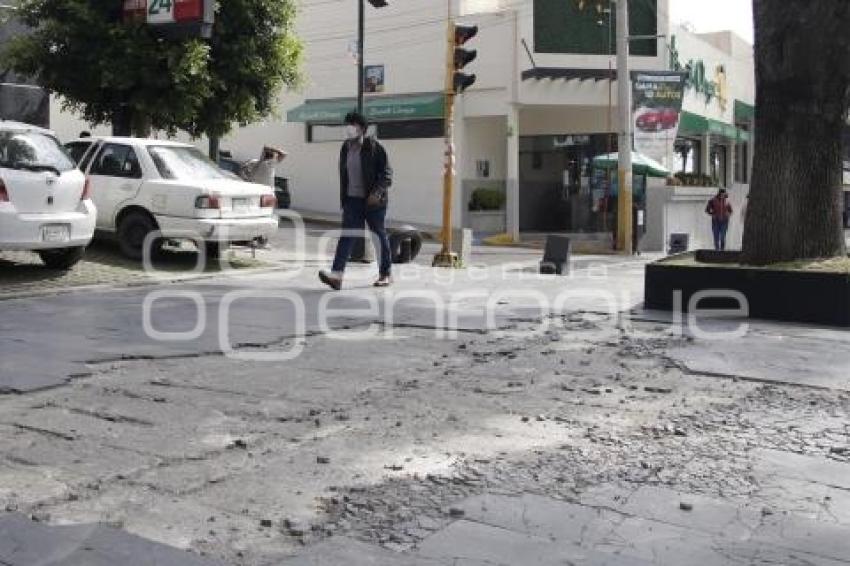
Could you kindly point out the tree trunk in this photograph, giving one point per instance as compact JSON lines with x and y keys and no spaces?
{"x":141,"y":125}
{"x":121,"y":122}
{"x":802,"y":50}
{"x":215,"y":147}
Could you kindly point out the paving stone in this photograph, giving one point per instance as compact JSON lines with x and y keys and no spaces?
{"x":465,"y":542}
{"x":543,"y":517}
{"x":798,"y":466}
{"x":340,"y":550}
{"x":24,"y":543}
{"x":806,"y":536}
{"x":707,"y":515}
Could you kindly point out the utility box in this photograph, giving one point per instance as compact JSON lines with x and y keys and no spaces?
{"x":556,"y":256}
{"x":679,"y":244}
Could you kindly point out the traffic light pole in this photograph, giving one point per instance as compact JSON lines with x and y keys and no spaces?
{"x":361,"y":78}
{"x":624,"y":103}
{"x":447,"y":257}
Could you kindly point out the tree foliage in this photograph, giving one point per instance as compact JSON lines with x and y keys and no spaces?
{"x":107,"y":69}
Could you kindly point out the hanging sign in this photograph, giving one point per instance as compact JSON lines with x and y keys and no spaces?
{"x":657,"y":107}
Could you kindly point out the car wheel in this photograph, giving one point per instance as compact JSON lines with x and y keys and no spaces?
{"x":62,"y":258}
{"x":132,"y":231}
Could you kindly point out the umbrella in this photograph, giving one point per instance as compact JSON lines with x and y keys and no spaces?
{"x":641,"y":164}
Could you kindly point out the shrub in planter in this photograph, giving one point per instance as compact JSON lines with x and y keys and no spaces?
{"x":487,"y":199}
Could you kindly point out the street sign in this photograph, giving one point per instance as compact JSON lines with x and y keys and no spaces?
{"x":173,"y":17}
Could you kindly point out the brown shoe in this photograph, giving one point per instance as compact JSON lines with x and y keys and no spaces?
{"x":331,"y":280}
{"x":383,"y":281}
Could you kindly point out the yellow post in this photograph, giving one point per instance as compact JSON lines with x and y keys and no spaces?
{"x":446,"y":257}
{"x":624,"y":211}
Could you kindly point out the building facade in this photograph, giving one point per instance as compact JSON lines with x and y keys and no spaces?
{"x":543,"y":105}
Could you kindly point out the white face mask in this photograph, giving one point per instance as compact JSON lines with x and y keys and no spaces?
{"x":352,"y":132}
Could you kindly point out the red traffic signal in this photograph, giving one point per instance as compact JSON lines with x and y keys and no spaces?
{"x":464,"y":33}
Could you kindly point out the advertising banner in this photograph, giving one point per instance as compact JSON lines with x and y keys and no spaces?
{"x":657,"y":108}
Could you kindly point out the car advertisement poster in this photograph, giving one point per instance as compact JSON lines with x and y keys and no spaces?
{"x":657,"y":108}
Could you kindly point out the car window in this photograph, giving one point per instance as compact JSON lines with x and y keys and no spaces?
{"x":117,"y":160}
{"x":33,"y":151}
{"x":77,"y":149}
{"x":183,"y":163}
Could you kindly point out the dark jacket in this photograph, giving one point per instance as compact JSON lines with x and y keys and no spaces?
{"x":377,"y":173}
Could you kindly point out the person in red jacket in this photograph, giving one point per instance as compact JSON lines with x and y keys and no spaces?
{"x":720,"y":211}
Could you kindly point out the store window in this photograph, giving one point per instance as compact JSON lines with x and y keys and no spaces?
{"x":719,"y":164}
{"x":399,"y":130}
{"x":687,"y":154}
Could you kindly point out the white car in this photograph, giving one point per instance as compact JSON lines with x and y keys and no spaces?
{"x":44,"y":198}
{"x":142,"y":186}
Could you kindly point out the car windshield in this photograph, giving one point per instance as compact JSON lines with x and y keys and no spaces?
{"x":183,"y":163}
{"x":33,"y":151}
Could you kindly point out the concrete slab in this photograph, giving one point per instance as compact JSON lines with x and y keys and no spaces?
{"x":24,"y":543}
{"x":466,"y":541}
{"x":706,"y":514}
{"x":542,"y":517}
{"x":805,"y":468}
{"x":341,"y":550}
{"x":810,"y":357}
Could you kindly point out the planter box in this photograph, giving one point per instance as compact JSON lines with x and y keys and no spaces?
{"x":814,"y":297}
{"x":487,"y":221}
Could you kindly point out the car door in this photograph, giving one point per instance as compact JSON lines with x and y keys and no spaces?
{"x":115,"y":177}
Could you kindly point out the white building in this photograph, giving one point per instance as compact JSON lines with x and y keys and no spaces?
{"x":539,"y":111}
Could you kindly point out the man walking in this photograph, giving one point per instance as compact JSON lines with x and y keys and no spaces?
{"x":365,"y":177}
{"x":720,"y":211}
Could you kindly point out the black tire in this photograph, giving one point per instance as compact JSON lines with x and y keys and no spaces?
{"x":62,"y":258}
{"x":132,"y":231}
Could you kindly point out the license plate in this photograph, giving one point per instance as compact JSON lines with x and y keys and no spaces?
{"x":241,"y":203}
{"x":56,"y":233}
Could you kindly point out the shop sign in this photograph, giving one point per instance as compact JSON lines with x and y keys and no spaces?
{"x":570,"y":141}
{"x":169,"y":13}
{"x":697,"y":77}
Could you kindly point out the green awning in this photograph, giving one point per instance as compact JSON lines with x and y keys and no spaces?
{"x":695,"y":125}
{"x":378,"y":108}
{"x":744,"y":112}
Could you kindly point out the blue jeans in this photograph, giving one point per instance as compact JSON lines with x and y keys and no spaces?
{"x":719,"y":228}
{"x":354,"y":214}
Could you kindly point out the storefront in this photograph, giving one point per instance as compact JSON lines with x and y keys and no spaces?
{"x":542,"y":107}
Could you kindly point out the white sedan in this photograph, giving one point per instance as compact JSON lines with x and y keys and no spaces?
{"x":44,"y":198}
{"x":152,"y":190}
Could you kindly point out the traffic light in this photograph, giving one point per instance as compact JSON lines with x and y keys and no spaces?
{"x":463,"y":57}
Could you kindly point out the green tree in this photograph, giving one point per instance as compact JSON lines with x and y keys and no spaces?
{"x":113,"y":71}
{"x":254,"y":55}
{"x":802,"y":93}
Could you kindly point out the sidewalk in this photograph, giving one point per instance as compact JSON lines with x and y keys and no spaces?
{"x":614,"y":527}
